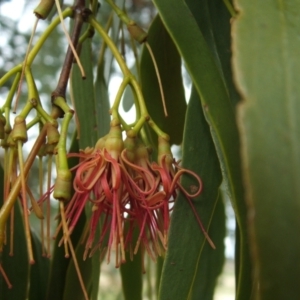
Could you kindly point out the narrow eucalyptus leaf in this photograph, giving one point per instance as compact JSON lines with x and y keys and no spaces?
{"x":211,"y":262}
{"x":219,"y":114}
{"x":213,"y":19}
{"x":187,"y":254}
{"x":39,"y":271}
{"x":84,"y":98}
{"x":132,"y":281}
{"x":73,"y":289}
{"x":102,"y":105}
{"x":169,"y":66}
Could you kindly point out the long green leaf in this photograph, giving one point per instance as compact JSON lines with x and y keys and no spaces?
{"x":84,"y":98}
{"x":266,"y":66}
{"x":131,"y":273}
{"x":102,"y":105}
{"x":211,"y":262}
{"x":213,"y":20}
{"x":184,"y":263}
{"x":89,"y":271}
{"x":169,"y":66}
{"x":73,"y":289}
{"x":218,"y":112}
{"x":39,"y":272}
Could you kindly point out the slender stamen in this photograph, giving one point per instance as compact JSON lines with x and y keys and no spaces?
{"x":48,"y":207}
{"x":41,"y":190}
{"x":65,"y":228}
{"x":9,"y":285}
{"x":158,"y":78}
{"x":67,"y":236}
{"x":24,"y":200}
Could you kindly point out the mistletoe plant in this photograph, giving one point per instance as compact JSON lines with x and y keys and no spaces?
{"x":118,"y":194}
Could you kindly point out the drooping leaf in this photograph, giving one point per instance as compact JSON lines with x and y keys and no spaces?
{"x":169,"y":66}
{"x":102,"y":105}
{"x":211,"y":262}
{"x":184,"y":262}
{"x":266,"y":67}
{"x":89,"y":269}
{"x":58,"y":279}
{"x":131,"y":272}
{"x":96,"y":270}
{"x":39,"y":271}
{"x":213,"y":19}
{"x":73,"y":289}
{"x":159,"y":268}
{"x":219,"y":114}
{"x":84,"y":98}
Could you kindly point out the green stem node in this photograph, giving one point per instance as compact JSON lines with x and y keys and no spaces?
{"x":43,"y":9}
{"x":52,"y":135}
{"x":19,"y":132}
{"x":63,"y":185}
{"x":2,"y":126}
{"x":137,"y":32}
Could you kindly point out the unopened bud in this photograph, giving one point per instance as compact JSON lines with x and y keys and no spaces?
{"x":130,"y":146}
{"x":164,"y":150}
{"x":114,"y":142}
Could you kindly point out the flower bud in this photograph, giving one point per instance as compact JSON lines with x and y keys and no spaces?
{"x":114,"y":142}
{"x":101,"y":143}
{"x":141,"y":152}
{"x":164,"y":150}
{"x":130,"y":146}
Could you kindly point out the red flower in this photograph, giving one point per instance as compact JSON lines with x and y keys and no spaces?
{"x":98,"y":181}
{"x":126,"y":193}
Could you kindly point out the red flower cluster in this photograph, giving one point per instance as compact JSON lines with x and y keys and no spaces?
{"x":129,"y":196}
